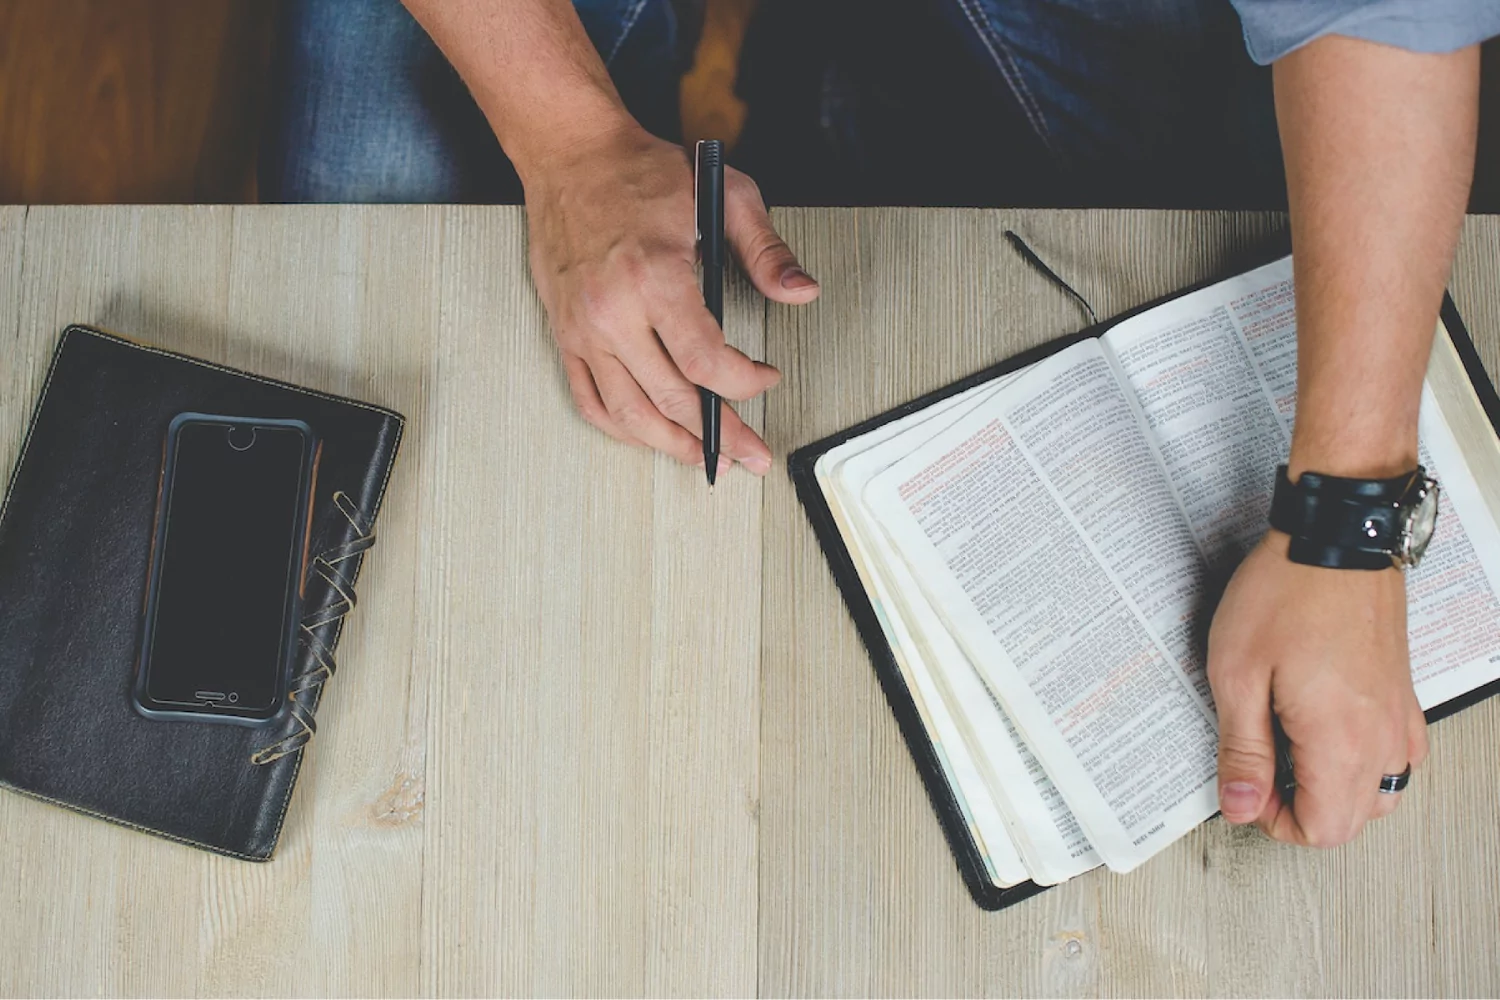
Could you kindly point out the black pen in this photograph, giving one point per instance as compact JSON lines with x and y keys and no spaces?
{"x":708,"y":192}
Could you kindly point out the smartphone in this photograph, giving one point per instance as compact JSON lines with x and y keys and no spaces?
{"x":227,"y":565}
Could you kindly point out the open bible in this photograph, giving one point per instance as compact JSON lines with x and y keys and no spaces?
{"x":1034,"y":558}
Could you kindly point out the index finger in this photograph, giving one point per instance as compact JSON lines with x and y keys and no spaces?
{"x":696,"y":343}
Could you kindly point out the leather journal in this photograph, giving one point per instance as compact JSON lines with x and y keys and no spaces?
{"x":1032,"y":556}
{"x":75,"y":548}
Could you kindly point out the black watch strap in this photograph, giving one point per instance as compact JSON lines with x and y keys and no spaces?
{"x":1339,"y":523}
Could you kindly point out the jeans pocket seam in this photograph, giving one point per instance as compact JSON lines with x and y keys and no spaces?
{"x":1005,"y":62}
{"x":627,"y":24}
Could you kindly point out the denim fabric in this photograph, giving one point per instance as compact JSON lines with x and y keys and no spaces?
{"x":1144,"y":102}
{"x":1102,"y":102}
{"x":368,"y":110}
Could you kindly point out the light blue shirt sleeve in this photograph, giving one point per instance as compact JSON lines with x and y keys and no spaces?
{"x":1275,"y":27}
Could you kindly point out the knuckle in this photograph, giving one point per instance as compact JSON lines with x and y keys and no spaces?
{"x":767,"y":250}
{"x":570,"y":338}
{"x":1329,"y":832}
{"x":632,"y":415}
{"x":1420,"y":746}
{"x":698,"y":367}
{"x":595,"y":310}
{"x":633,"y":268}
{"x":592,"y":411}
{"x":678,"y":404}
{"x":599,"y":302}
{"x":1225,"y":672}
{"x":1239,"y":754}
{"x":744,"y":186}
{"x":1236,"y":684}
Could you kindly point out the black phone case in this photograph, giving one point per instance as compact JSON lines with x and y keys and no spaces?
{"x":141,"y":695}
{"x":800,"y":467}
{"x":75,"y":539}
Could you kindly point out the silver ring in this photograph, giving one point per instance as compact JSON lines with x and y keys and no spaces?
{"x":1390,"y":784}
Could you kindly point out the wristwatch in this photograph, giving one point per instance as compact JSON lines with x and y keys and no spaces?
{"x":1356,"y":523}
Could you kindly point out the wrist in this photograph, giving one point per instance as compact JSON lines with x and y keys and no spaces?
{"x":1351,"y":451}
{"x":539,"y":153}
{"x":1356,"y":413}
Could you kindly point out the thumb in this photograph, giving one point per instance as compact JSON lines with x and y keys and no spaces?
{"x":764,"y":256}
{"x":1247,"y":752}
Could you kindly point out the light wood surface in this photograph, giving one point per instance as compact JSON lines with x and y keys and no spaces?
{"x":599,"y":732}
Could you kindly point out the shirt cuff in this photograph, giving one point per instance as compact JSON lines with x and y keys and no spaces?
{"x":1273,"y":28}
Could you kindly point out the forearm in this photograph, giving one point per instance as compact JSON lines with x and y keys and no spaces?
{"x":1379,"y":151}
{"x":532,"y":70}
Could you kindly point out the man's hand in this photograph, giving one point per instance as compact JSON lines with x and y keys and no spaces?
{"x":612,"y":242}
{"x":1326,"y":650}
{"x":612,"y":255}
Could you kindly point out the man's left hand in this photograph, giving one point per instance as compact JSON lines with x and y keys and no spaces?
{"x":1325,"y":649}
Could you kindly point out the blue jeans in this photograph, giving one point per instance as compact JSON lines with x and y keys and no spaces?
{"x":1083,"y":102}
{"x":368,"y":110}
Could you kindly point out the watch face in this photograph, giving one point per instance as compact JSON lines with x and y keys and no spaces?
{"x":1421,"y":520}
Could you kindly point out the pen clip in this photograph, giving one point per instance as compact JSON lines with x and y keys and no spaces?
{"x":697,"y":189}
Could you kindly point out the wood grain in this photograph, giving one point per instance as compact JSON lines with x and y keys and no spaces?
{"x":589,"y":611}
{"x":131,"y":100}
{"x":597,"y":731}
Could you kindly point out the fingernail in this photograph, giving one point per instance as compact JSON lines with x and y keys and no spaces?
{"x":1237,"y":800}
{"x":794,"y":279}
{"x":758,"y":464}
{"x":724,"y":464}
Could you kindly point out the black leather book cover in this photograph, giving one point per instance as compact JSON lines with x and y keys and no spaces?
{"x":75,"y":540}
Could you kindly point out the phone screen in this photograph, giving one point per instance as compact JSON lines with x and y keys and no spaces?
{"x":230,"y":544}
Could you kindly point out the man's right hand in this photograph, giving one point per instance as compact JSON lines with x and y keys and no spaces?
{"x":612,"y":254}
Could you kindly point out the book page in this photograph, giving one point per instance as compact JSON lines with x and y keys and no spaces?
{"x":1022,"y":585}
{"x":1216,"y":376}
{"x":1210,"y":412}
{"x":1045,"y":832}
{"x":1452,"y":607}
{"x":1081,"y":427}
{"x":972,"y":793}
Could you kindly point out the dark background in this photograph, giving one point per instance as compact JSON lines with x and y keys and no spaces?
{"x":150,"y":101}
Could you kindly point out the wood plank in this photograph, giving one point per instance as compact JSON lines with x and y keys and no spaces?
{"x":345,"y":300}
{"x":704,"y":711}
{"x":590,"y":767}
{"x":19,"y":382}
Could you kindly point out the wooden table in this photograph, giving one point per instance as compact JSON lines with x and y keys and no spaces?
{"x":542,"y":769}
